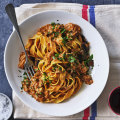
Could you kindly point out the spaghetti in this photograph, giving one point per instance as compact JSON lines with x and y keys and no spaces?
{"x":62,"y":62}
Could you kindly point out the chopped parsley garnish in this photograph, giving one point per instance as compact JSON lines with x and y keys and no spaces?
{"x":27,"y":81}
{"x":50,"y":81}
{"x":44,"y":79}
{"x":60,"y":58}
{"x":71,"y":59}
{"x":44,"y":74}
{"x":24,"y":73}
{"x":53,"y":57}
{"x":48,"y":33}
{"x":86,"y":62}
{"x":57,"y":55}
{"x":62,"y":30}
{"x":60,"y":68}
{"x":54,"y":67}
{"x":64,"y":55}
{"x":25,"y":77}
{"x":56,"y":34}
{"x":65,"y":40}
{"x":82,"y":66}
{"x":19,"y":71}
{"x":36,"y":69}
{"x":40,"y":93}
{"x":90,"y":58}
{"x":53,"y":25}
{"x":64,"y":37}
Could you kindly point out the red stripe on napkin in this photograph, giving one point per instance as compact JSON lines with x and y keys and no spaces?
{"x":84,"y":12}
{"x":85,"y":16}
{"x":86,"y":113}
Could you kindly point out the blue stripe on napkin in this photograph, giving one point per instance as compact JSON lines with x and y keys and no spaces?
{"x":94,"y":105}
{"x":92,"y":15}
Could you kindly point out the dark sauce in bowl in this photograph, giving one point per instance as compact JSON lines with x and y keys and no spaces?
{"x":114,"y":100}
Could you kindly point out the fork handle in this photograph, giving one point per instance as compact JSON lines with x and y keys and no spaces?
{"x":11,"y":13}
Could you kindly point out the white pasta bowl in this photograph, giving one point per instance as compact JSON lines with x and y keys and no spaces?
{"x":88,"y":93}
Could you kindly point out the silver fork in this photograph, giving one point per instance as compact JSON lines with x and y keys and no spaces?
{"x":28,"y":63}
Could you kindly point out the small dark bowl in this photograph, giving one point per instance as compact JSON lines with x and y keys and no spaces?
{"x":114,"y":100}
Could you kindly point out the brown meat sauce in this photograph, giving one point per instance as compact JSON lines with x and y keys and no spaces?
{"x":80,"y":66}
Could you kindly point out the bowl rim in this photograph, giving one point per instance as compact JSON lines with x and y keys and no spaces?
{"x":13,"y":88}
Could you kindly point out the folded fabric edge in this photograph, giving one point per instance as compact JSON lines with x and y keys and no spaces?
{"x":98,"y":7}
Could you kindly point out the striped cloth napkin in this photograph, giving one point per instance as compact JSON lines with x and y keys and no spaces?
{"x":106,"y":18}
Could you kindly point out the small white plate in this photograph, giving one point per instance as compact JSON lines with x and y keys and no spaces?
{"x":88,"y":93}
{"x":6,"y":107}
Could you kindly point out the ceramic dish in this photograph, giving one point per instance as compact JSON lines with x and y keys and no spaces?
{"x":87,"y":94}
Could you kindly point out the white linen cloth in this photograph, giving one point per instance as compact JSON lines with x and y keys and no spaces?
{"x":107,"y":20}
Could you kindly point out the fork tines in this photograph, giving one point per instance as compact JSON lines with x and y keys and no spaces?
{"x":30,"y":72}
